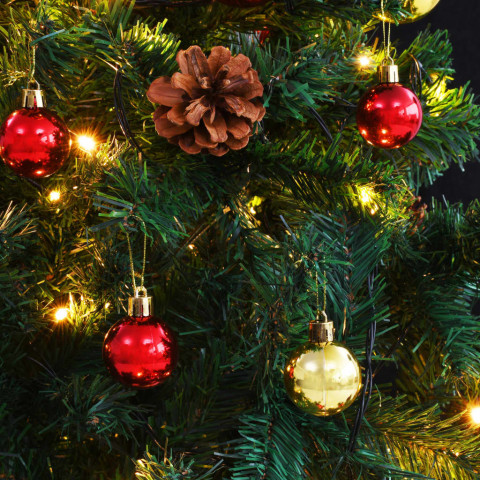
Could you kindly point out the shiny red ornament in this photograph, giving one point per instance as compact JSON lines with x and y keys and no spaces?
{"x":263,"y":35}
{"x":34,"y":142}
{"x":140,"y":352}
{"x":243,"y":3}
{"x":389,"y":115}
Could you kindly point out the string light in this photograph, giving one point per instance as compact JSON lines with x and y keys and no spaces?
{"x":475,"y":415}
{"x":54,"y":196}
{"x":86,"y":143}
{"x":61,"y":314}
{"x":364,"y":61}
{"x":254,"y":202}
{"x":366,"y":196}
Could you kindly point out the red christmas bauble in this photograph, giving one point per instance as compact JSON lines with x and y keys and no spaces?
{"x":262,"y":35}
{"x":389,"y":115}
{"x":140,"y":352}
{"x":243,"y":3}
{"x":34,"y":142}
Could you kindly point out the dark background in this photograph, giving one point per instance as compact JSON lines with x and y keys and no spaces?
{"x":461,"y":19}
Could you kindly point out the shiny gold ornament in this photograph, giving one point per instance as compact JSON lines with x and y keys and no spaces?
{"x":322,"y":377}
{"x":417,"y":8}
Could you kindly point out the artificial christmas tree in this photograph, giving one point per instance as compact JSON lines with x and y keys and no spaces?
{"x":235,"y":247}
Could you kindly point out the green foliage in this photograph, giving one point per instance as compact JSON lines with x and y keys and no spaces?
{"x":266,"y":450}
{"x":239,"y":248}
{"x":151,"y":469}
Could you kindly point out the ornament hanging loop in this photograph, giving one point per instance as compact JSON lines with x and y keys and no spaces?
{"x":387,"y":70}
{"x":32,"y":84}
{"x":386,"y":34}
{"x":31,"y":77}
{"x":130,"y":253}
{"x":321,"y":331}
{"x":321,"y":317}
{"x":140,"y":291}
{"x":322,"y":311}
{"x":33,"y":96}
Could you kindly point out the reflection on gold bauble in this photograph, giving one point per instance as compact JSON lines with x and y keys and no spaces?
{"x":322,"y":379}
{"x":417,"y":9}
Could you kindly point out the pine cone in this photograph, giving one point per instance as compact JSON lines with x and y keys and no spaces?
{"x":210,"y":105}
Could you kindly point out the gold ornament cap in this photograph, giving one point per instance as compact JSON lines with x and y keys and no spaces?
{"x":388,"y":73}
{"x":33,"y":96}
{"x":140,"y":305}
{"x":321,"y":331}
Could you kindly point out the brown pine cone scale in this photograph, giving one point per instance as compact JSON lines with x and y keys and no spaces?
{"x":211,"y":104}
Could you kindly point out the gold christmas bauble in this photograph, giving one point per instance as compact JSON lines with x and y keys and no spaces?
{"x":417,"y":8}
{"x":322,"y":379}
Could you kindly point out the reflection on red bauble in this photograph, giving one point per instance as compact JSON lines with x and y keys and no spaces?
{"x":262,"y":35}
{"x":34,"y":142}
{"x":140,"y":352}
{"x":243,"y":3}
{"x":389,"y":115}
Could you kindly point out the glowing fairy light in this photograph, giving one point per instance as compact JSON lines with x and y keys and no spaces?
{"x":61,"y":314}
{"x":475,"y":415}
{"x":365,"y":195}
{"x":54,"y":196}
{"x":364,"y":61}
{"x":254,"y":202}
{"x":86,"y":143}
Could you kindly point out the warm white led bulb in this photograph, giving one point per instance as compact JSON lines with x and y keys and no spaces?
{"x":61,"y":314}
{"x":365,"y":194}
{"x":86,"y":143}
{"x":54,"y":196}
{"x":475,"y":414}
{"x":364,"y":61}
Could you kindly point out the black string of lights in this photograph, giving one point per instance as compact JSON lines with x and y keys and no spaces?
{"x":121,"y":113}
{"x":367,"y":388}
{"x":368,"y":383}
{"x":416,"y":76}
{"x":321,"y":122}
